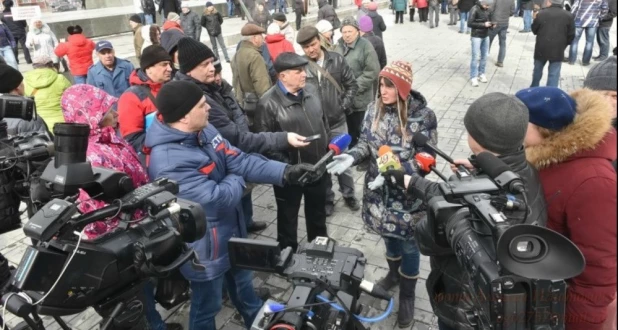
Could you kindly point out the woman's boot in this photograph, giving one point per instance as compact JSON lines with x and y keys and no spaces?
{"x":412,"y":12}
{"x":407,"y":294}
{"x":392,"y":278}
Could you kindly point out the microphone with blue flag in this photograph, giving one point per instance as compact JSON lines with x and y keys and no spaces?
{"x":336,"y":146}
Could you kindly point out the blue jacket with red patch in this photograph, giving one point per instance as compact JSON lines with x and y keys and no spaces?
{"x":211,"y":172}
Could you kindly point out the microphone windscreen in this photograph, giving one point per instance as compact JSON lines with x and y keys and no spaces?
{"x":384,"y":150}
{"x":340,"y":143}
{"x":419,"y":139}
{"x":491,"y":164}
{"x":425,"y":161}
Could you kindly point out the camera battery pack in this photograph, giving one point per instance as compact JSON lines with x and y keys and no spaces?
{"x":48,"y":220}
{"x":38,"y":269}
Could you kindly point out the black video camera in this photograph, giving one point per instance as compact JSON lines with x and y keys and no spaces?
{"x":327,"y":280}
{"x":516,"y":271}
{"x":19,"y":156}
{"x":66,"y":275}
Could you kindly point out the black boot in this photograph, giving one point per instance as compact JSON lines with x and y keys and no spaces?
{"x":392,"y":278}
{"x":407,"y":294}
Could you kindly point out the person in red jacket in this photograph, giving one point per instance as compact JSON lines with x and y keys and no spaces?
{"x":136,"y":106}
{"x":79,"y":50}
{"x":276,"y":42}
{"x":571,"y":141}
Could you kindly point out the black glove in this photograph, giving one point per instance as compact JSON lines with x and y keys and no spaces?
{"x":293,"y":173}
{"x":395,"y":179}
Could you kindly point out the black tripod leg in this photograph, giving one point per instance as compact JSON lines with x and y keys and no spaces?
{"x":61,"y":323}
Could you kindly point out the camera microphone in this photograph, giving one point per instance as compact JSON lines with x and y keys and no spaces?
{"x":336,"y":146}
{"x":500,"y":173}
{"x":387,"y":160}
{"x":422,"y":141}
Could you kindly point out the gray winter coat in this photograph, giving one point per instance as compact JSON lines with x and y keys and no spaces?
{"x":363,"y":60}
{"x":190,"y":23}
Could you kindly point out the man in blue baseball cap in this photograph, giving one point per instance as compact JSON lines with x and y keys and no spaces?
{"x":110,"y":74}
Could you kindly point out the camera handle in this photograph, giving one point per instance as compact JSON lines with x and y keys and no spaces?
{"x":145,"y":266}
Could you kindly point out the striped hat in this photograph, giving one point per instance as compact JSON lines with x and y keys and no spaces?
{"x":400,"y":74}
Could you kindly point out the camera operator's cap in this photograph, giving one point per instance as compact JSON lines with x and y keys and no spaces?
{"x":549,"y":107}
{"x":497,"y":122}
{"x":306,"y":34}
{"x":288,"y":60}
{"x":176,"y":99}
{"x":251,"y":29}
{"x":9,"y":78}
{"x":104,"y":44}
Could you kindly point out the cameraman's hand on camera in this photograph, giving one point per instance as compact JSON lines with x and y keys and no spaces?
{"x":293,"y":173}
{"x":397,"y":179}
{"x":465,"y":162}
{"x":376,"y":183}
{"x":340,"y":163}
{"x":297,"y":141}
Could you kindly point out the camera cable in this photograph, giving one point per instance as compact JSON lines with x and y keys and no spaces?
{"x":375,"y":319}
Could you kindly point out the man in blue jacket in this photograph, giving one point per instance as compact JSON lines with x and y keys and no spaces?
{"x":196,"y":63}
{"x":210,"y":171}
{"x":110,"y":74}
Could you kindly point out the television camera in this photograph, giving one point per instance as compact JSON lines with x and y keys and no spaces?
{"x":62,"y":274}
{"x":327,"y":280}
{"x":516,"y":271}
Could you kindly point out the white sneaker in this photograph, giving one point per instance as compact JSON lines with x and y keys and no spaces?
{"x":483,"y":78}
{"x":474,"y":82}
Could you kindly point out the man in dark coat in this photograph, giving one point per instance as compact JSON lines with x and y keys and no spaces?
{"x":605,"y":24}
{"x":293,"y":105}
{"x":495,"y":123}
{"x":554,"y":28}
{"x":301,"y":10}
{"x":464,"y":7}
{"x":326,"y":12}
{"x":227,"y":116}
{"x":366,"y":31}
{"x":18,"y":29}
{"x":168,"y":6}
{"x":337,"y":92}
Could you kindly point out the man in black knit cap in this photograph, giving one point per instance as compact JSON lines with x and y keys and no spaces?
{"x":196,"y":63}
{"x":12,"y":82}
{"x":212,"y":172}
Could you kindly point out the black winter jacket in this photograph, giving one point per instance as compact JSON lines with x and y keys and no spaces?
{"x":448,"y":284}
{"x":277,"y":112}
{"x":378,"y":23}
{"x":230,"y":120}
{"x":465,"y":5}
{"x":334,"y":104}
{"x":212,"y":23}
{"x":169,"y":6}
{"x":17,"y":28}
{"x":554,"y":28}
{"x":604,"y":22}
{"x":378,"y":45}
{"x":476,"y":21}
{"x":326,"y":12}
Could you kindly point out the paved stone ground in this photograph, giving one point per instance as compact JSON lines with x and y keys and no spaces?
{"x":440,"y":59}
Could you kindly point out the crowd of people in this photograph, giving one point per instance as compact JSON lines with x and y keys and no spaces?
{"x":176,"y":116}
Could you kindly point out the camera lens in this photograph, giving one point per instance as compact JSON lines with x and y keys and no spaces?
{"x":70,"y":143}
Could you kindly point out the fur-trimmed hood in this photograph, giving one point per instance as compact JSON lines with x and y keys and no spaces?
{"x":591,"y":125}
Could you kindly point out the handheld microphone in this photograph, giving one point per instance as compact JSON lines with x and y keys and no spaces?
{"x":387,"y":160}
{"x":427,"y":163}
{"x":500,"y":173}
{"x":422,"y":141}
{"x":336,"y":146}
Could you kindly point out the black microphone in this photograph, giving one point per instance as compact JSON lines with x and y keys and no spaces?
{"x":422,"y":141}
{"x":500,"y":173}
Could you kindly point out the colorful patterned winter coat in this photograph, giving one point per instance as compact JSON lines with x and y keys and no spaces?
{"x":386,"y":211}
{"x":85,"y":104}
